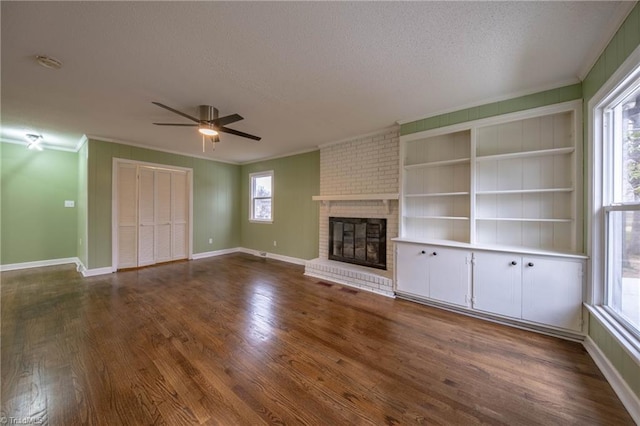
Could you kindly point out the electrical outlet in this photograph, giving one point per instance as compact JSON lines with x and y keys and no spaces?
{"x":274,"y":243}
{"x":210,"y":240}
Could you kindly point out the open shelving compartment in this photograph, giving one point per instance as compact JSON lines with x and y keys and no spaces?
{"x":506,"y":181}
{"x":436,"y":187}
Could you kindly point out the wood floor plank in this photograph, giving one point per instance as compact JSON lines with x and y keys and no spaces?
{"x":238,"y":340}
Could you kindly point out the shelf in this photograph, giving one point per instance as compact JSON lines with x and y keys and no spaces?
{"x":437,"y":163}
{"x":489,"y":247}
{"x":524,"y":191}
{"x":526,"y":154}
{"x":523,"y":219}
{"x":436,"y":194}
{"x":438,"y":217}
{"x":385,"y":198}
{"x":356,"y":197}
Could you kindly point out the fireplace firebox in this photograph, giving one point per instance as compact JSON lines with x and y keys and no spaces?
{"x":361,"y":241}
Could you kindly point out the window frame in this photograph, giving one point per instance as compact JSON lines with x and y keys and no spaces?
{"x":601,"y":188}
{"x":252,"y":197}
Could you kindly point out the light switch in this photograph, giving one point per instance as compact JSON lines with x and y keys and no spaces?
{"x":69,"y":203}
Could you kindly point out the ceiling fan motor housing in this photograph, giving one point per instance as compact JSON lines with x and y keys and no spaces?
{"x":207,"y":113}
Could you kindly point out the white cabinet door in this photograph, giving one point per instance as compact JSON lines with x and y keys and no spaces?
{"x":180,"y":213}
{"x":163,"y":215}
{"x":127,"y":216}
{"x":146,"y":217}
{"x":411,"y":269}
{"x":552,"y":292}
{"x":449,"y":274}
{"x":497,"y":283}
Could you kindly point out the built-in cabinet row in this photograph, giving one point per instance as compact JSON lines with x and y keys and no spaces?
{"x":491,"y":216}
{"x":542,"y":290}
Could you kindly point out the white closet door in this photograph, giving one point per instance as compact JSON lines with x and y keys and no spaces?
{"x":162,"y":215}
{"x":127,"y":216}
{"x":146,"y":217}
{"x":180,"y":211}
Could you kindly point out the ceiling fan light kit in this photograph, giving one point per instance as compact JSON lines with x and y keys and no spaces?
{"x":207,"y":130}
{"x":209,"y":124}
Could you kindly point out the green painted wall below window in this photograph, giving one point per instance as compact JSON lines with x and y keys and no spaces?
{"x":216,"y":203}
{"x":295,"y":216}
{"x":616,"y":354}
{"x":35,"y":224}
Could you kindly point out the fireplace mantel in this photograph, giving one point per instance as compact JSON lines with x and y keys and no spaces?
{"x":328,"y":199}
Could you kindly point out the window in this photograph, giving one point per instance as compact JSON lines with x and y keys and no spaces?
{"x":621,"y":205}
{"x":261,"y":196}
{"x":616,"y":201}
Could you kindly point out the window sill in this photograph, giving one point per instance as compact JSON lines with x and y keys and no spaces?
{"x":628,"y":341}
{"x":260,"y":221}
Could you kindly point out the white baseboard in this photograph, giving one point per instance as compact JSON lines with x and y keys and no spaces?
{"x":628,"y":398}
{"x":39,"y":264}
{"x":275,"y":256}
{"x":96,"y":271}
{"x":214,"y":253}
{"x":108,"y":270}
{"x":257,"y":253}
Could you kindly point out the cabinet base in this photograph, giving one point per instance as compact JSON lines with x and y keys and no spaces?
{"x":523,"y":325}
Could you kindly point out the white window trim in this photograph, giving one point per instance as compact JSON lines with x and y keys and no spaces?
{"x":619,"y":83}
{"x":253,"y":176}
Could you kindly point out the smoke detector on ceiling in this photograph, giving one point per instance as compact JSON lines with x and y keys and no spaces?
{"x":49,"y":62}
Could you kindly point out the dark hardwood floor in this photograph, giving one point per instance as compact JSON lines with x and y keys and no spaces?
{"x":240,"y":340}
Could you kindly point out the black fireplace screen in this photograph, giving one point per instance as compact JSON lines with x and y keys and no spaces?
{"x":358,"y":240}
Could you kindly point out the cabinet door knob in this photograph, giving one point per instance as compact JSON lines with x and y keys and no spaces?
{"x":530,"y":264}
{"x":422,"y":252}
{"x":514,"y":263}
{"x":434,"y":253}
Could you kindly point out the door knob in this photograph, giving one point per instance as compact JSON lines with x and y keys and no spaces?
{"x":514,"y":263}
{"x":530,"y":264}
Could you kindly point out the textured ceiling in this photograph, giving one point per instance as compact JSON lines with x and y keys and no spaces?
{"x":301,"y":74}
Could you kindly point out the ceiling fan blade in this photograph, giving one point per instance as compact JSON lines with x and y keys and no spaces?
{"x":176,"y":124}
{"x":175,"y":111}
{"x":238,"y":133}
{"x":223,"y":121}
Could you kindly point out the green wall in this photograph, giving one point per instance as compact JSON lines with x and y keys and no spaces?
{"x":216,"y":204}
{"x":625,"y":41}
{"x":295,"y":215}
{"x":535,"y":100}
{"x":35,"y":225}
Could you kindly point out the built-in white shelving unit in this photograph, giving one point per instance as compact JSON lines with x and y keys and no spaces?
{"x":491,"y":218}
{"x":506,"y":181}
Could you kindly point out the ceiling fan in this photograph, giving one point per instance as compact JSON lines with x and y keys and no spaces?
{"x":209,"y":124}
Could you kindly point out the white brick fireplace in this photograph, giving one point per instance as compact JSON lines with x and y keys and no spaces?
{"x":359,"y":178}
